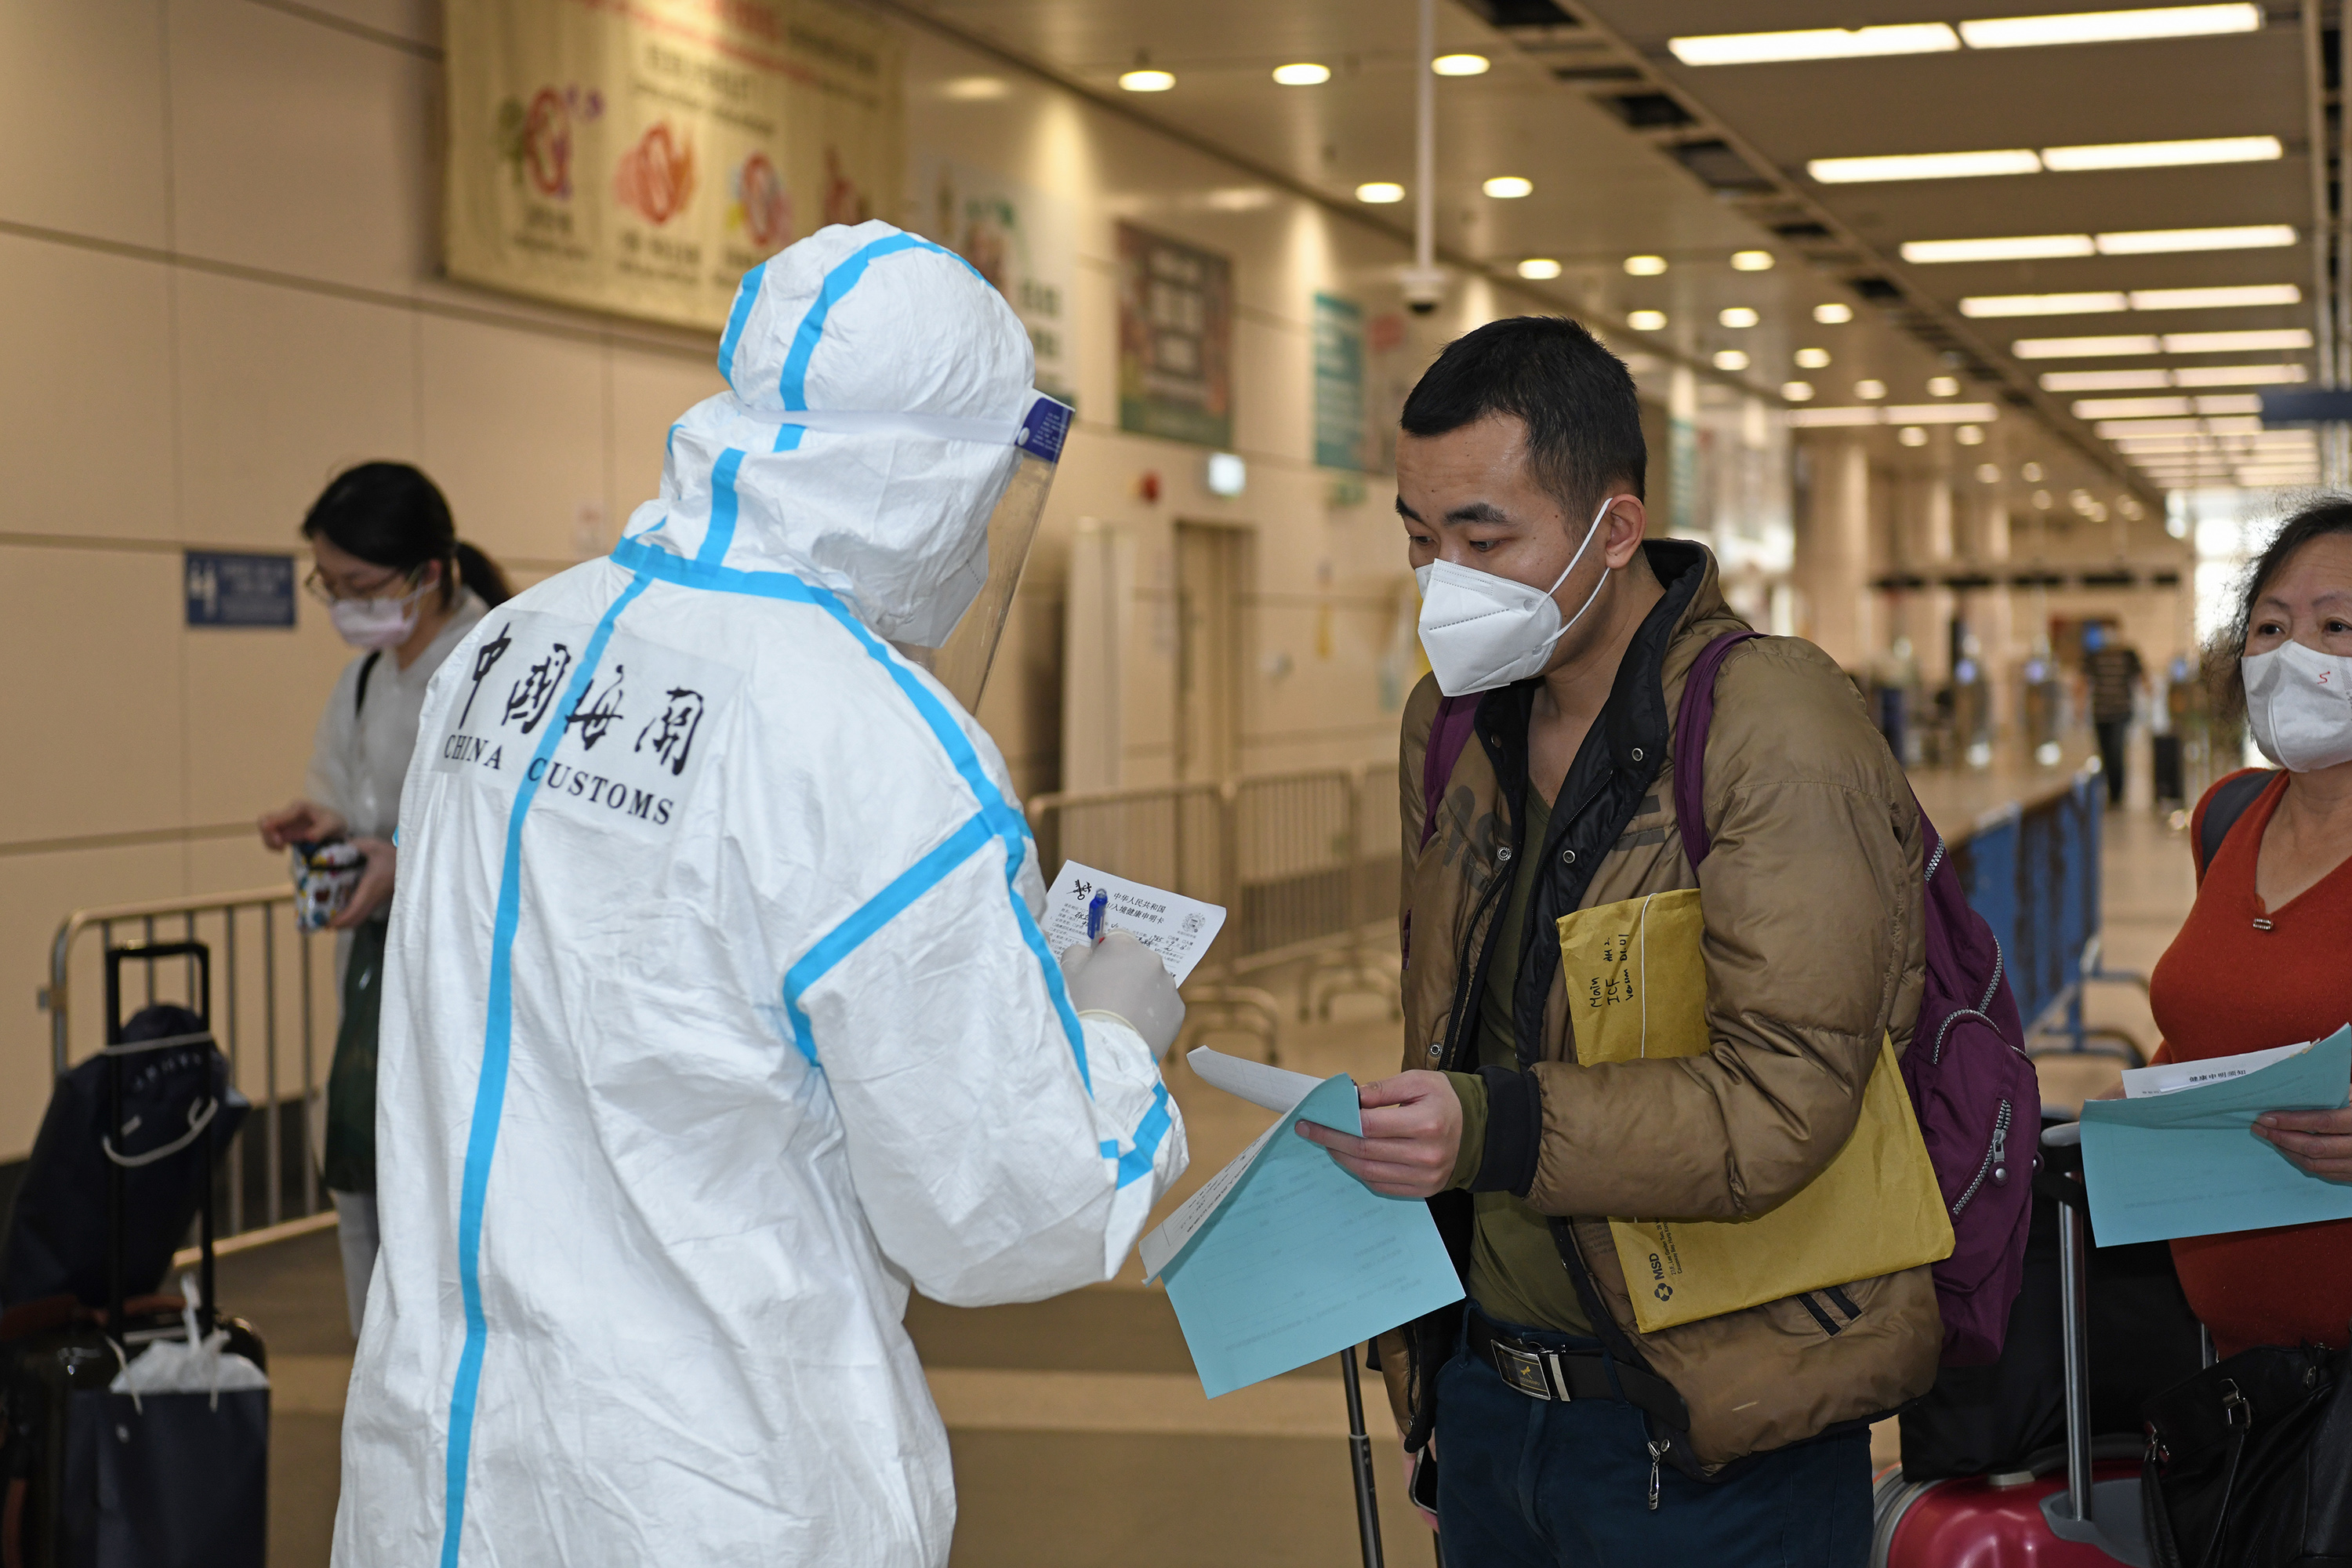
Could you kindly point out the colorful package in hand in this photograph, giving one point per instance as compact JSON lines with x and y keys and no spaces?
{"x":324,"y":877}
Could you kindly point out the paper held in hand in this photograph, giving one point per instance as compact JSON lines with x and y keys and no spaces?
{"x":1282,"y":1258}
{"x":1177,"y":929}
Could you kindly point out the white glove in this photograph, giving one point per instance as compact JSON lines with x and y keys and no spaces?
{"x":1123,"y":979}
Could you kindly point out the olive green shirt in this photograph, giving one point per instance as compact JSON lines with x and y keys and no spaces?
{"x":1515,"y":1273}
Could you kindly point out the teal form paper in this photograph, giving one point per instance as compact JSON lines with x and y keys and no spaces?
{"x":2188,"y":1164}
{"x":1283,"y":1258}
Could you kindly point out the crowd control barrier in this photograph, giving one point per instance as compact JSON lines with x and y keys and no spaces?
{"x":1305,"y":864}
{"x":273,"y":1014}
{"x":2033,"y":872}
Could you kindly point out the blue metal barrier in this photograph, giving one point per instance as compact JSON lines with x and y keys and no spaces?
{"x":2033,"y":872}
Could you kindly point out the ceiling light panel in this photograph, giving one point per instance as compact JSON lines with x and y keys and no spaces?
{"x":1923,"y":166}
{"x":2089,"y":304}
{"x":1814,"y":44}
{"x":2131,"y":407}
{"x":2086,"y":348}
{"x":1539,"y":268}
{"x":2232,"y":297}
{"x":1751,"y":261}
{"x":1459,"y":65}
{"x":1146,"y":80}
{"x":1306,"y":73}
{"x":1380,"y":191}
{"x":2105,"y":380}
{"x":2155,"y":241}
{"x":1737,"y":316}
{"x":2236,"y":342}
{"x":2110,"y":27}
{"x":2239,"y":375}
{"x":2163,"y":154}
{"x":1941,"y":414}
{"x":1833,"y":314}
{"x":1644,"y":266}
{"x":2011,"y":247}
{"x":1730,"y":359}
{"x":1508,"y":187}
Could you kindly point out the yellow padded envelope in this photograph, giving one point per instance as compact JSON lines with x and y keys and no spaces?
{"x":1636,"y":981}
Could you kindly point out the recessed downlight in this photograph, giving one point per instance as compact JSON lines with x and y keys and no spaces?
{"x":1302,"y":73}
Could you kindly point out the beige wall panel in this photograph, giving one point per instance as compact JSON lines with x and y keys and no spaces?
{"x":36,"y":892}
{"x":650,"y":392}
{"x":102,"y":630}
{"x":1274,"y":390}
{"x":414,"y":21}
{"x":280,"y":389}
{"x":81,"y":110}
{"x":514,"y":433}
{"x":228,"y":865}
{"x":299,"y":148}
{"x":254,"y":700}
{"x":86,"y":402}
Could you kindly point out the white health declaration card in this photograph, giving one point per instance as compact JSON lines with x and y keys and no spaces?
{"x":1177,"y":929}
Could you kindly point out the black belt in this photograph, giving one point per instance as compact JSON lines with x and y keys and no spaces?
{"x":1541,"y":1373}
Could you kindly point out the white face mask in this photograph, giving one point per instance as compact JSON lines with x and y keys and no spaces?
{"x":1482,"y":631}
{"x":2299,"y":704}
{"x":375,"y":623}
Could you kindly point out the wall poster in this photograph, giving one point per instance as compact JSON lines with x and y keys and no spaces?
{"x":1341,"y":433}
{"x":1175,"y":339}
{"x":638,"y":156}
{"x":1022,"y":239}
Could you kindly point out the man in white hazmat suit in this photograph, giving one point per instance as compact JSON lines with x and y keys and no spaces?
{"x":717,"y":1012}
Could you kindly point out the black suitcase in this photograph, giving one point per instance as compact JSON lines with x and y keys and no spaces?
{"x":2171,"y":782}
{"x":99,"y":1479}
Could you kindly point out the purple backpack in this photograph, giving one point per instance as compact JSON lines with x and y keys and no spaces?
{"x":1971,"y":1081}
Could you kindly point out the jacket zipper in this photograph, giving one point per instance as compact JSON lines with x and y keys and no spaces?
{"x":1995,"y":1160}
{"x":1462,"y":994}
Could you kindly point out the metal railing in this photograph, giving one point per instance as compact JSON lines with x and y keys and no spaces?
{"x":1304,"y":865}
{"x":272,"y":1017}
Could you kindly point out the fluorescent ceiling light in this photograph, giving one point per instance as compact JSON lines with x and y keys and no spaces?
{"x":2151,"y":241}
{"x":1380,"y":191}
{"x":1812,"y":359}
{"x":1922,"y":166}
{"x":1730,"y":359}
{"x":2105,"y":380}
{"x":1969,"y":435}
{"x":975,"y":88}
{"x":1306,"y":73}
{"x":1912,"y":436}
{"x":1644,"y":266}
{"x":2237,"y":403}
{"x":1814,"y":44}
{"x":1737,"y":316}
{"x":1941,"y":414}
{"x":2239,"y":375}
{"x":2086,"y":348}
{"x":1647,"y":320}
{"x":1870,"y":389}
{"x":2164,"y":154}
{"x":1146,"y":80}
{"x":2109,"y":429}
{"x":1943,"y":386}
{"x":1508,"y":187}
{"x":1751,"y":261}
{"x":2229,"y":297}
{"x":2016,"y":247}
{"x":1797,"y":390}
{"x":2110,"y":27}
{"x":1982,"y":305}
{"x":1459,"y":65}
{"x":2236,"y":342}
{"x":1539,"y":268}
{"x":1833,"y":314}
{"x":1820,"y":418}
{"x":2130,"y":407}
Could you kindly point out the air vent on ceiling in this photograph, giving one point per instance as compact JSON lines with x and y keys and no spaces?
{"x":1525,"y":13}
{"x":1804,"y":230}
{"x":1718,"y":166}
{"x":1596,"y":72}
{"x":1647,"y":110}
{"x":1874,"y":288}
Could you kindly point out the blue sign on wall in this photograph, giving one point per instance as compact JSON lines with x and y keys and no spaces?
{"x":231,"y":589}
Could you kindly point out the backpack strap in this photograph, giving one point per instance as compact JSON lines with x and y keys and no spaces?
{"x":1692,"y":721}
{"x":1449,"y":732}
{"x":367,"y":669}
{"x":2229,"y":801}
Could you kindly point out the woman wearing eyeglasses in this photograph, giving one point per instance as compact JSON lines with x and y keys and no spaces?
{"x":402,"y":588}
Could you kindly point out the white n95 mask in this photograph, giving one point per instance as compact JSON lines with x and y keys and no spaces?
{"x":1480,"y":631}
{"x":2299,"y":704}
{"x":375,"y":623}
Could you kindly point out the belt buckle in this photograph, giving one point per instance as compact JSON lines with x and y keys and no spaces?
{"x":1523,"y":1370}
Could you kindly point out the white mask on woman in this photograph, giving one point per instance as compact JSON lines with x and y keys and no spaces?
{"x":1480,"y":631}
{"x":375,"y":623}
{"x":2299,"y":704}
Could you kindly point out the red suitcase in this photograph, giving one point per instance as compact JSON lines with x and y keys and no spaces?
{"x":2080,"y":1510}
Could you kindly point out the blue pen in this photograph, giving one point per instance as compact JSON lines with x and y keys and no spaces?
{"x":1095,"y":908}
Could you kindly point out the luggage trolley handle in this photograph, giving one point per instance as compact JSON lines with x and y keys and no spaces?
{"x":201,"y":1002}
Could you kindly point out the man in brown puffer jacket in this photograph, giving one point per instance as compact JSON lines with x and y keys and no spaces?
{"x":1568,"y":1435}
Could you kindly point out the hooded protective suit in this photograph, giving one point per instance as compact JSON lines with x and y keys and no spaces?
{"x":717,"y":1012}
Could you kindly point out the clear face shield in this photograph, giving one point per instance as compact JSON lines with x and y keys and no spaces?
{"x":962,"y":662}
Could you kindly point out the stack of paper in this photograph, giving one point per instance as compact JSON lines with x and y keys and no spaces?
{"x":2178,"y":1156}
{"x":1283,"y":1258}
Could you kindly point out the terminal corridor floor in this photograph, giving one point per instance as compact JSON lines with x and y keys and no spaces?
{"x":1080,"y":1433}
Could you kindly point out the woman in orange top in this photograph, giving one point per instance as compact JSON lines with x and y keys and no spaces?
{"x":2265,"y":956}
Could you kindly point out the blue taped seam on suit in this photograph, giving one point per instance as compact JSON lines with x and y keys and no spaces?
{"x":792,"y":384}
{"x":872,"y":916}
{"x":1009,"y":824}
{"x":724,"y":504}
{"x":1135,"y":1163}
{"x":490,"y":1089}
{"x":747,"y":294}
